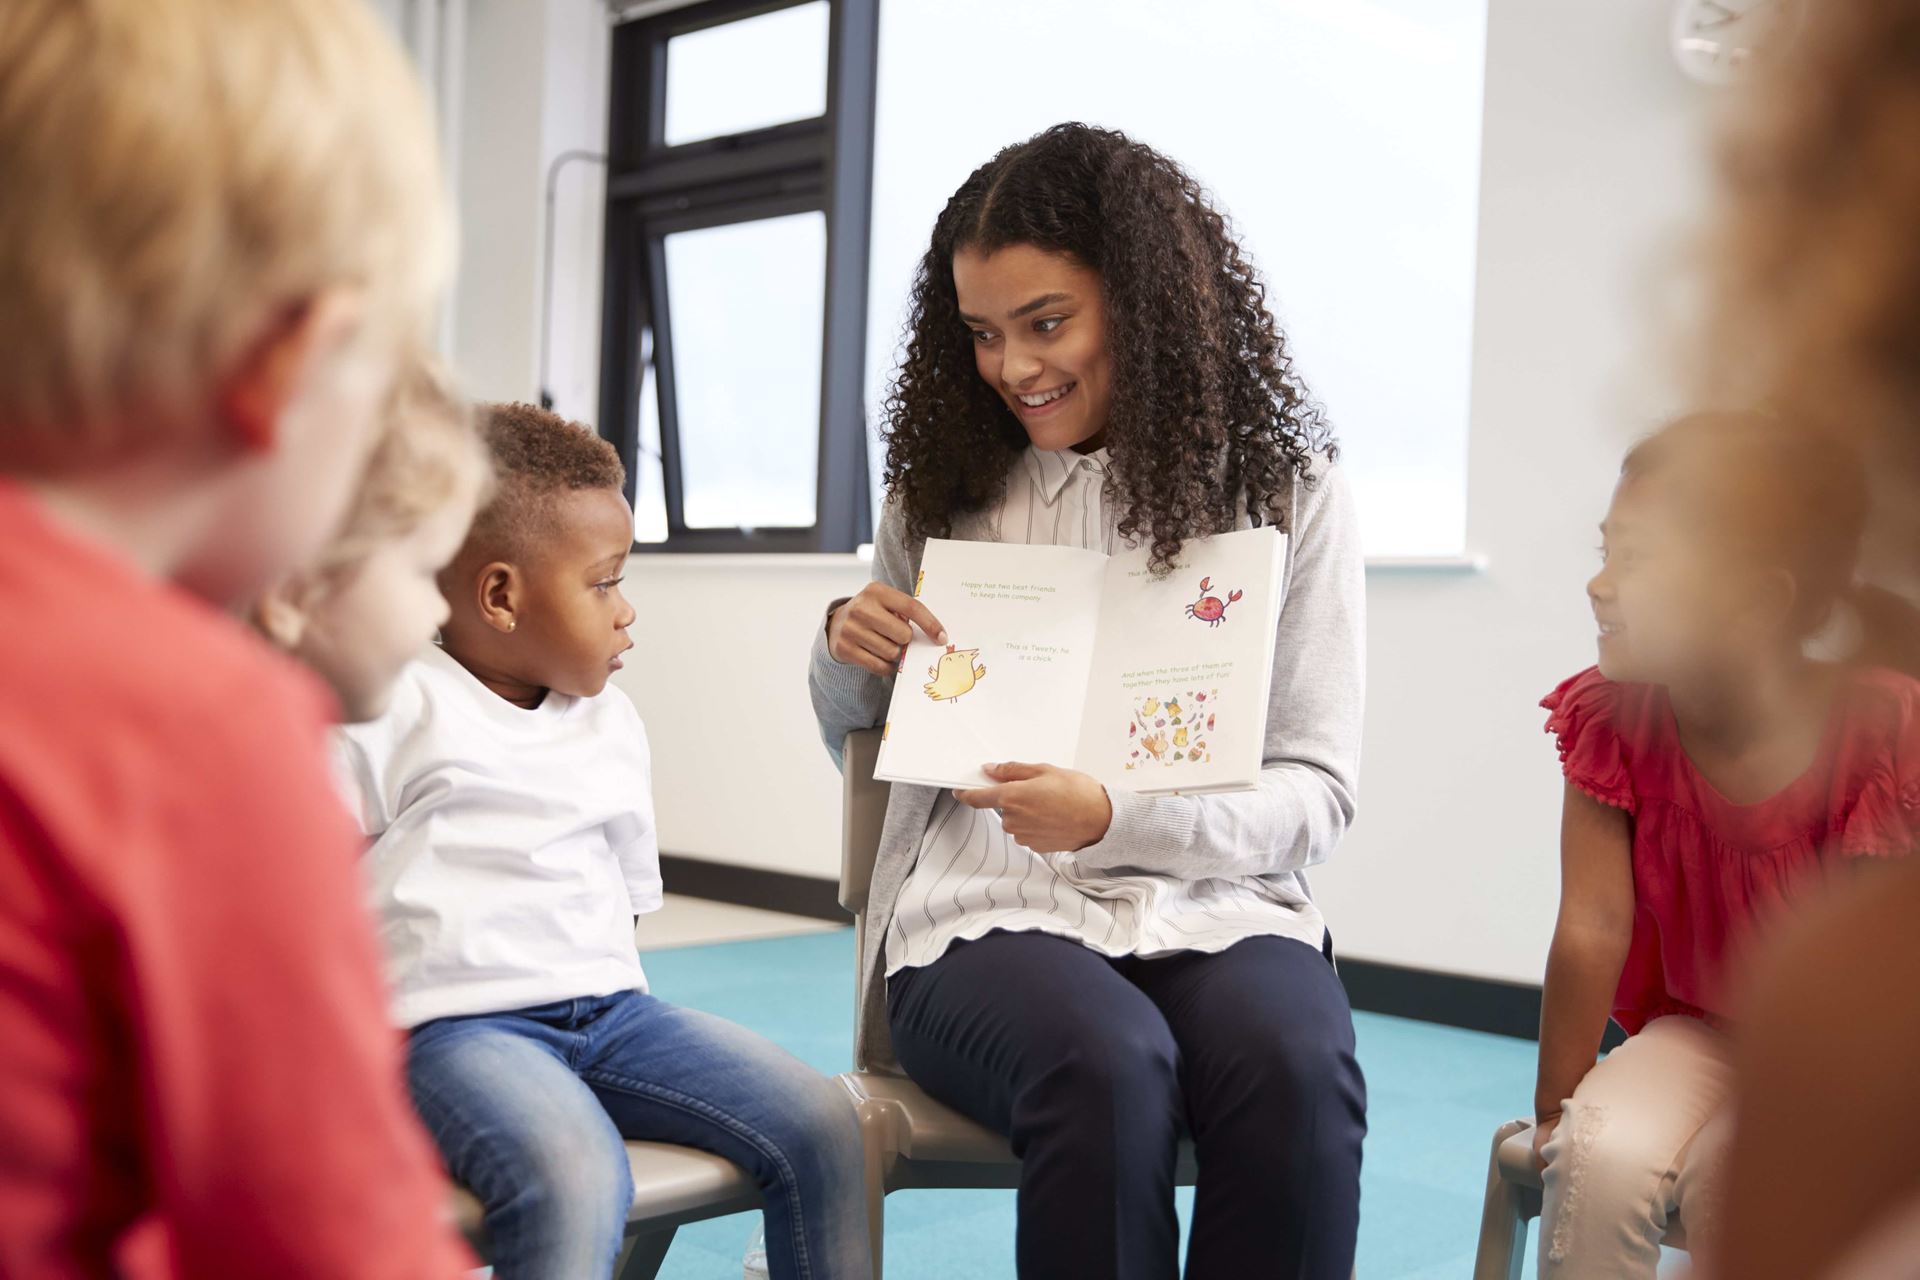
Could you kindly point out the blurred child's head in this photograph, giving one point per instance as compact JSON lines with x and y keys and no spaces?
{"x":371,"y":601}
{"x":1813,"y":248}
{"x":535,"y":592}
{"x":1731,"y":535}
{"x":1815,"y":261}
{"x":219,"y":221}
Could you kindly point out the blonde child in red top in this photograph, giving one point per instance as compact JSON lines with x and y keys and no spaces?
{"x":1714,"y":773}
{"x":218,"y":226}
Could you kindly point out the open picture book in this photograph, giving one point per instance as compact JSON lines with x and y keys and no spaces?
{"x":1058,"y":655}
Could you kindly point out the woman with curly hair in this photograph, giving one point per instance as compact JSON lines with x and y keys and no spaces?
{"x":1090,"y":362}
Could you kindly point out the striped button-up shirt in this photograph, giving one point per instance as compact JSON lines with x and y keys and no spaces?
{"x":970,"y":877}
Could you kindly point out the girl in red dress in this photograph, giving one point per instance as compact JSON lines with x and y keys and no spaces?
{"x":1714,"y":771}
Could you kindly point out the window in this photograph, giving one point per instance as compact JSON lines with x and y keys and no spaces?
{"x":781,"y":57}
{"x":1342,"y":136}
{"x":747,"y":369}
{"x":733,"y":336}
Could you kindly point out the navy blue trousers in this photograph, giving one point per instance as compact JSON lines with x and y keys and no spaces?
{"x":1093,"y":1068}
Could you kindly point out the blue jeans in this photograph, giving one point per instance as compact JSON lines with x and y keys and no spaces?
{"x":530,"y":1107}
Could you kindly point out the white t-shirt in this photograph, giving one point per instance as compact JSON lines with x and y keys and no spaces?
{"x":510,"y":850}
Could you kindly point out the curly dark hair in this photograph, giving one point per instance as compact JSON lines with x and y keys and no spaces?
{"x":536,"y":455}
{"x":1208,"y":411}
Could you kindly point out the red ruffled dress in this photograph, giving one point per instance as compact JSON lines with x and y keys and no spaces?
{"x":1705,"y":869}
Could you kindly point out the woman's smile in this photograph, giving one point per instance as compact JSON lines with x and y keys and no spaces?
{"x":1038,"y":404}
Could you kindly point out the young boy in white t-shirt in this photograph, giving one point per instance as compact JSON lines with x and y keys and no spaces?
{"x":507,"y":794}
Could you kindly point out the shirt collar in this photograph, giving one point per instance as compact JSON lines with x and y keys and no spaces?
{"x":1052,"y":469}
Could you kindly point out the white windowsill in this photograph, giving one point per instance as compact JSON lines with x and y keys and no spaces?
{"x":1467,"y":563}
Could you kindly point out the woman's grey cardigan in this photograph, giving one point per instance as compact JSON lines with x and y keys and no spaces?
{"x":1293,"y":819}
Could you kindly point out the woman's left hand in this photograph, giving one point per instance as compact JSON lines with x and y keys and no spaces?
{"x":1046,"y":808}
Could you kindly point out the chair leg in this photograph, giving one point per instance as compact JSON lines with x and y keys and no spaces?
{"x":877,"y":1226}
{"x":876,"y":1151}
{"x":1503,"y":1222}
{"x":879,"y":1149}
{"x":642,"y":1255}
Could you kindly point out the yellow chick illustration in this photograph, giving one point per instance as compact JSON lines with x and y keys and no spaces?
{"x":1180,"y":737}
{"x":1150,"y":706}
{"x":954,"y":674}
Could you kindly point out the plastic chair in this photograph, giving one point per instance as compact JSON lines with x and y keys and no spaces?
{"x":1513,"y":1199}
{"x":672,"y":1186}
{"x":910,"y":1140}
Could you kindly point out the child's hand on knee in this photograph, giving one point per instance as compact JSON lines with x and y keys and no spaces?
{"x":1543,"y":1130}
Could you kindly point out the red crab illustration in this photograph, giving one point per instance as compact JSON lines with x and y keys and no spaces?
{"x":1210,"y":609}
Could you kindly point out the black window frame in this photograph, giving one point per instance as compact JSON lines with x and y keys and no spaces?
{"x":823,"y":164}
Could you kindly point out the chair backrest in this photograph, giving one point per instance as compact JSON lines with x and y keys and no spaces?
{"x":863,"y":814}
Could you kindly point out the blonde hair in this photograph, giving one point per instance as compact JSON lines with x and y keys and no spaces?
{"x":429,"y":449}
{"x":1816,"y":252}
{"x":177,"y":176}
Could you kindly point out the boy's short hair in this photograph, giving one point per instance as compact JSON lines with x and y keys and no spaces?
{"x":178,"y":175}
{"x":536,"y":456}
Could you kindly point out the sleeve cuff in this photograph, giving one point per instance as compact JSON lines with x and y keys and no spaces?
{"x":1141,"y":825}
{"x":847,"y":677}
{"x":826,"y":620}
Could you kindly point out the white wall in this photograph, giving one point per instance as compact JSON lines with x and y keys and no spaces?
{"x":1591,"y":167}
{"x":535,"y":86}
{"x":1342,"y":135}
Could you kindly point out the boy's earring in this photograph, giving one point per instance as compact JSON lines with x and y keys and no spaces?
{"x":512,"y":623}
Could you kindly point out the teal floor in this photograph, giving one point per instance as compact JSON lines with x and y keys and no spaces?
{"x":1435,"y":1096}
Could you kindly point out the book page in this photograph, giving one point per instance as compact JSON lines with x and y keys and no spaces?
{"x":1009,"y":683}
{"x":1177,"y":699}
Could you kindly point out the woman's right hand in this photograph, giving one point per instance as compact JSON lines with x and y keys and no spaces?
{"x":872,"y":629}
